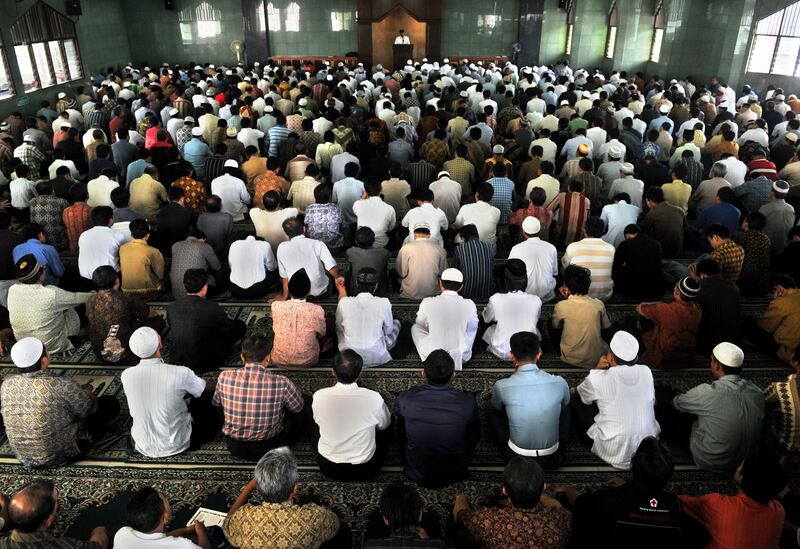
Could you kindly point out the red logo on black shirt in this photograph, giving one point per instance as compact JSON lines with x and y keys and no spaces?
{"x":654,"y":503}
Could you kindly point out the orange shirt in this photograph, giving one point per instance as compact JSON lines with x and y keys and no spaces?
{"x":736,"y":521}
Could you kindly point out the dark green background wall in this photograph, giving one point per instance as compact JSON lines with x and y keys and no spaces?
{"x":702,"y":38}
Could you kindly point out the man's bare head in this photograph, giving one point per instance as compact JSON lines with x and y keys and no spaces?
{"x":33,"y":508}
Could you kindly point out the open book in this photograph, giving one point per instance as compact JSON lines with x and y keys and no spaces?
{"x":208,"y":517}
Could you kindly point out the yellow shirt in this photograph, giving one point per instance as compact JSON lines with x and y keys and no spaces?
{"x":583,"y":317}
{"x":284,"y":525}
{"x":142,"y":268}
{"x":677,"y":193}
{"x":147,"y":196}
{"x":782,"y":320}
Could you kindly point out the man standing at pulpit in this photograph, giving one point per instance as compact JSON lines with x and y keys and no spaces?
{"x":402,"y":38}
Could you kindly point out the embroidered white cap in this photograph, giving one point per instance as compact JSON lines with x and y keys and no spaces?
{"x":728,"y":354}
{"x":26,"y":352}
{"x":624,"y":346}
{"x":452,"y":275}
{"x":144,"y":342}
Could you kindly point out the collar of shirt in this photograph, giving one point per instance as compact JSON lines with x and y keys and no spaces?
{"x":151,"y":361}
{"x":531,"y":367}
{"x":450,"y":292}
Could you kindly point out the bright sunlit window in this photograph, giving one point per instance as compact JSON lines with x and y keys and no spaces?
{"x":273,"y":17}
{"x":658,"y":33}
{"x":611,"y":42}
{"x":6,"y":87}
{"x":568,"y":45}
{"x":293,"y":17}
{"x":776,"y":45}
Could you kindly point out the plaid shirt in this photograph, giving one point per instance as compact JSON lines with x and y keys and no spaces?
{"x":503,"y":196}
{"x":730,"y":257}
{"x":31,"y":157}
{"x":253,"y":401}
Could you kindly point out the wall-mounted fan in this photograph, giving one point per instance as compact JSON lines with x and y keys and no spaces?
{"x":237,"y":47}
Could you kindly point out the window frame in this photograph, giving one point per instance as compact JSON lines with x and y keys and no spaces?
{"x":611,"y":32}
{"x":570,"y":9}
{"x":7,"y":69}
{"x":793,"y":10}
{"x":659,"y":22}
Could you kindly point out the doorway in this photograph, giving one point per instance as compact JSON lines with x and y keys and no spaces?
{"x":386,"y":29}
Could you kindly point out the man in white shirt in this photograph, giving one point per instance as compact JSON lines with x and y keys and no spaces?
{"x":156,"y":394}
{"x":481,"y":214}
{"x":231,"y":190}
{"x":617,"y":216}
{"x":511,"y":312}
{"x":426,"y":213}
{"x":371,"y":211}
{"x":549,"y":148}
{"x":446,"y":195}
{"x":353,"y":423}
{"x":540,"y":258}
{"x":627,"y":184}
{"x":23,"y":190}
{"x":253,"y":268}
{"x":736,"y":170}
{"x":615,"y":404}
{"x":100,"y":188}
{"x":99,"y":245}
{"x":269,"y":221}
{"x":148,"y":513}
{"x":347,"y":191}
{"x":447,"y":321}
{"x":249,"y":136}
{"x":299,"y":252}
{"x":402,"y":38}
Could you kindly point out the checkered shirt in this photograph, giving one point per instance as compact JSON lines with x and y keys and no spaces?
{"x":253,"y":401}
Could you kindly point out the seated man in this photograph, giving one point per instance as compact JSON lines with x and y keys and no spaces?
{"x":32,"y":511}
{"x":581,"y":319}
{"x":613,"y":406}
{"x":201,"y":335}
{"x":778,"y":329}
{"x":277,"y":522}
{"x":719,"y":303}
{"x":348,"y":417}
{"x":540,"y":257}
{"x":299,"y":252}
{"x":447,"y":321}
{"x":420,"y":263}
{"x":35,"y":244}
{"x":529,"y":518}
{"x":474,"y":258}
{"x":111,"y":307}
{"x":44,"y":312}
{"x":401,"y":509}
{"x":365,"y":255}
{"x":720,"y":421}
{"x":639,"y":513}
{"x":670,"y":343}
{"x":511,"y":312}
{"x":146,"y":517}
{"x":142,"y":265}
{"x":49,"y":419}
{"x":99,"y":245}
{"x":300,"y":327}
{"x":729,"y":519}
{"x":636,"y":271}
{"x":438,"y":426}
{"x":782,"y":418}
{"x":254,"y":271}
{"x":525,"y":416}
{"x":254,"y":402}
{"x":157,"y":401}
{"x":364,"y":322}
{"x":596,"y":255}
{"x":426,"y":213}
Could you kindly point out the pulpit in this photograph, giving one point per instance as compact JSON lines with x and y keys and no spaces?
{"x":402,"y":53}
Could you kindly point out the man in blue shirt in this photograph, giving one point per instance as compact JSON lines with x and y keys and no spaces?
{"x":526,"y":417}
{"x":196,"y":151}
{"x":438,"y":426}
{"x":503,"y":191}
{"x":44,"y":253}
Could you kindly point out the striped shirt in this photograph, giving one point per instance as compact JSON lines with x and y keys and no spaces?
{"x":420,"y":175}
{"x":573,"y":210}
{"x":503,"y":196}
{"x":598,"y":257}
{"x":253,"y":401}
{"x":475,"y":259}
{"x":762,"y":166}
{"x":277,"y":135}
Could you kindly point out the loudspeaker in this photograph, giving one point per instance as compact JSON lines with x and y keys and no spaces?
{"x":74,"y":7}
{"x":169,"y":5}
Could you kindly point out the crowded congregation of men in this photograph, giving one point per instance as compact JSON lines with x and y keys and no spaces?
{"x":264,"y":293}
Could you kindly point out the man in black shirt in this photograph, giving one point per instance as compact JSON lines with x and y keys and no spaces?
{"x":439,"y":426}
{"x":174,"y":222}
{"x":201,"y":335}
{"x":637,"y":265}
{"x":719,"y":302}
{"x":629,"y":514}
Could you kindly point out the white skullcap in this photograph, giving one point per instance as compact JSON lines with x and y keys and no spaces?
{"x":26,"y":352}
{"x":663,"y":109}
{"x":586,"y":93}
{"x":445,"y":60}
{"x":173,"y":112}
{"x":303,"y":102}
{"x":189,"y":119}
{"x":443,"y":172}
{"x":409,"y":62}
{"x":268,"y":108}
{"x":67,"y":125}
{"x":780,"y":186}
{"x":61,"y":95}
{"x":531,"y":225}
{"x":211,"y":66}
{"x":144,"y":342}
{"x":230,"y":132}
{"x":231,"y":163}
{"x":498,"y":149}
{"x":424,"y":59}
{"x":452,"y":275}
{"x":564,"y":102}
{"x":615,"y":151}
{"x":624,"y":346}
{"x":329,"y":78}
{"x":726,"y":353}
{"x":197,"y":132}
{"x":704,"y":99}
{"x":29,"y":138}
{"x":626,"y":168}
{"x":126,"y":85}
{"x":780,"y":97}
{"x":723,"y":105}
{"x":464,"y":93}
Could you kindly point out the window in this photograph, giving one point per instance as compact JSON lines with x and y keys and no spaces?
{"x":273,"y":17}
{"x":341,"y":21}
{"x":611,"y":37}
{"x":776,"y":45}
{"x":208,"y":20}
{"x":658,"y":33}
{"x":293,"y":17}
{"x":261,"y":19}
{"x":570,"y":26}
{"x":46,"y":49}
{"x":6,"y":86}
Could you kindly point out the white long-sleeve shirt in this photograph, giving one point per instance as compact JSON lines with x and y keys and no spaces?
{"x":512,"y":312}
{"x":364,"y":323}
{"x":447,"y":321}
{"x":541,"y":263}
{"x":233,"y":193}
